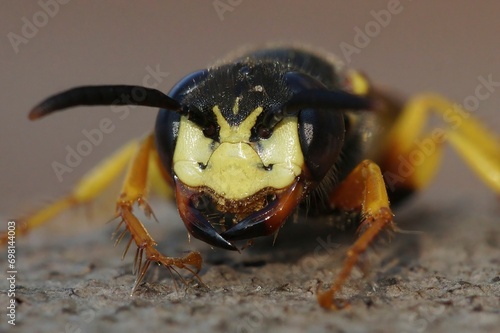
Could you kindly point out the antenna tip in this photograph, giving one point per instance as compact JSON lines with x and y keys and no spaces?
{"x":36,"y":112}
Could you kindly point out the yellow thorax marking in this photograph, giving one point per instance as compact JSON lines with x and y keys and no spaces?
{"x":239,"y":133}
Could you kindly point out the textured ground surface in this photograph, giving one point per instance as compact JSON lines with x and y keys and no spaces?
{"x":445,"y":279}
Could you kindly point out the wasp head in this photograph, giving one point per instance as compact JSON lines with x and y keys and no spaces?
{"x":250,"y":146}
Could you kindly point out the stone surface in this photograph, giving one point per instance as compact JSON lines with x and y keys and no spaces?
{"x":444,"y":279}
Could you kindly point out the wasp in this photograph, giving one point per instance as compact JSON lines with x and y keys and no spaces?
{"x":244,"y":145}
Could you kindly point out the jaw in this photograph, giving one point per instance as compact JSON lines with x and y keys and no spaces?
{"x":218,"y":221}
{"x":221,"y":209}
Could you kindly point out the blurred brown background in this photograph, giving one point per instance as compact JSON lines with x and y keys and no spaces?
{"x":427,"y":46}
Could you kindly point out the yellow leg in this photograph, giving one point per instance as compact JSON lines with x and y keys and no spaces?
{"x":158,"y":180}
{"x":144,"y":168}
{"x":486,"y":165}
{"x":91,"y":185}
{"x":363,"y":191}
{"x":411,"y":158}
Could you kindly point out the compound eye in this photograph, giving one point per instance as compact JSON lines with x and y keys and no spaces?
{"x":187,"y":84}
{"x":321,"y":135}
{"x":168,"y":122}
{"x":166,"y":132}
{"x":321,"y":129}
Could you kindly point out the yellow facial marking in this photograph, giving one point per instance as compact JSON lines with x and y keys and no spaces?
{"x":236,"y":106}
{"x":234,"y":167}
{"x":239,"y":133}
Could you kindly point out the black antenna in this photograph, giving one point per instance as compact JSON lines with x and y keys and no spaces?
{"x":316,"y":98}
{"x":106,"y":95}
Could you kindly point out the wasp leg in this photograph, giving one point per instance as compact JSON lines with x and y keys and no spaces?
{"x":411,"y":159}
{"x":140,"y":173}
{"x":93,"y":183}
{"x":363,"y":190}
{"x":134,"y":191}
